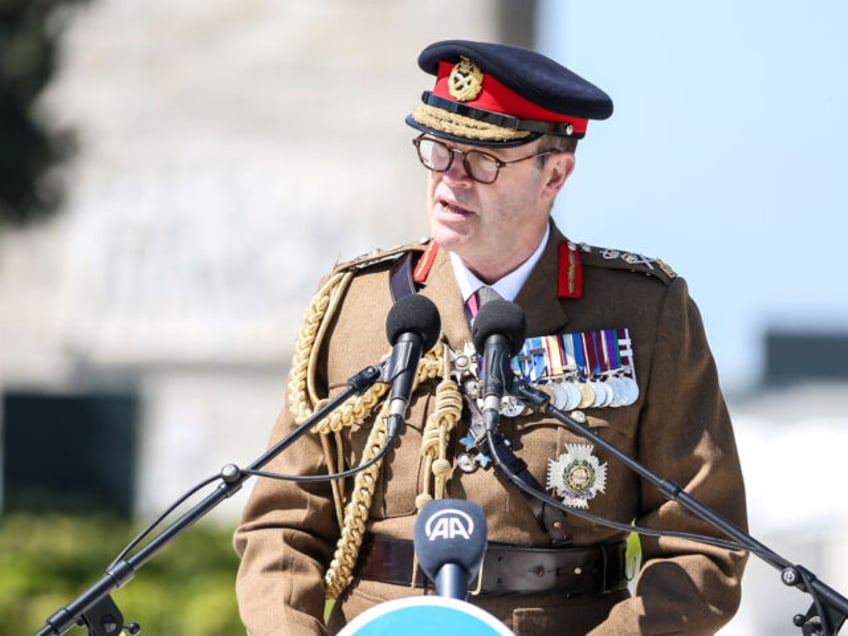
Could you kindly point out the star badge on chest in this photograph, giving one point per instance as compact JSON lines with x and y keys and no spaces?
{"x":577,"y":475}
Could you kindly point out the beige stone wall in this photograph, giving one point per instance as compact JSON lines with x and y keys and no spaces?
{"x":231,"y":151}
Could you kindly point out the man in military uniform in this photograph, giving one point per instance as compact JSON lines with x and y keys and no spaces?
{"x":613,"y":338}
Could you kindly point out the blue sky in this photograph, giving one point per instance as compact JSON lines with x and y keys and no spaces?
{"x":725,"y":156}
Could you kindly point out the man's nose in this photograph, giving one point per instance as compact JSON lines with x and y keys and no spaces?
{"x":457,"y":170}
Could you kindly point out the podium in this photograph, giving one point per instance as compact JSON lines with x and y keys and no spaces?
{"x":450,"y":541}
{"x":425,"y":616}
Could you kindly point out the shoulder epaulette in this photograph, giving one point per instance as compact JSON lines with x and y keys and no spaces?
{"x":630,"y":261}
{"x":379,"y":256}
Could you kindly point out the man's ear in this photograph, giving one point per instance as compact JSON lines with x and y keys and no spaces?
{"x":558,"y":167}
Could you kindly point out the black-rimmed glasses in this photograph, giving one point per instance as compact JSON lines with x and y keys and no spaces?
{"x":437,"y":156}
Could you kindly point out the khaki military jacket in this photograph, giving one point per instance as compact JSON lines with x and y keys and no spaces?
{"x":678,"y":427}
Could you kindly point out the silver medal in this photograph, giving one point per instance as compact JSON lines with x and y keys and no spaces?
{"x":511,"y":406}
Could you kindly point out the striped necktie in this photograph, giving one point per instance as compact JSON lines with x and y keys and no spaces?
{"x":479,"y":298}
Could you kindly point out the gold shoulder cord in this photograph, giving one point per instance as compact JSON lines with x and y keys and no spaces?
{"x":435,"y":438}
{"x":340,"y":572}
{"x":303,"y":401}
{"x":302,"y":374}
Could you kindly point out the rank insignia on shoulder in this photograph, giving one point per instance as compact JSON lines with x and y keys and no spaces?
{"x":378,"y":256}
{"x":664,"y":267}
{"x":577,"y":475}
{"x":630,"y":261}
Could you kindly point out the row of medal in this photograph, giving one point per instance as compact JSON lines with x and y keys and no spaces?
{"x":590,"y":369}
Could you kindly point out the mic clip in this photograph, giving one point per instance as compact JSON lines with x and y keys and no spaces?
{"x":534,"y":398}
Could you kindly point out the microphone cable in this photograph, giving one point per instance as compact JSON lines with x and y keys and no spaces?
{"x":616,"y":525}
{"x":502,"y":322}
{"x":411,"y":319}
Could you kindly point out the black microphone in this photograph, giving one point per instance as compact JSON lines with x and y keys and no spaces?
{"x":412,"y":326}
{"x":498,"y":333}
{"x":450,"y":541}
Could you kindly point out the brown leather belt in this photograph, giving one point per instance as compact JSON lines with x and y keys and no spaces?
{"x":508,"y":569}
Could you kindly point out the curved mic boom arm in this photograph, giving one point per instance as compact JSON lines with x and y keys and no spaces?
{"x":96,"y":610}
{"x":829,"y":609}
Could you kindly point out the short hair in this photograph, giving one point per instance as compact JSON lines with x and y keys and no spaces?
{"x":557,"y":142}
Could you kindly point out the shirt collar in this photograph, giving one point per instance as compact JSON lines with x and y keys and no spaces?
{"x":508,"y":286}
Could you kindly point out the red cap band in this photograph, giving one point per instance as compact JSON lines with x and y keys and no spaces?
{"x":497,"y":98}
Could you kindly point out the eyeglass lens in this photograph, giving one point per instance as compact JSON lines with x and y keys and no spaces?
{"x":438,"y":157}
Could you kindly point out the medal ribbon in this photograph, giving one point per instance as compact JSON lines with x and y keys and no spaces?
{"x":591,"y":354}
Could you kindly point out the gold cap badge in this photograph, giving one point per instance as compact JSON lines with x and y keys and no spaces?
{"x":465,"y":81}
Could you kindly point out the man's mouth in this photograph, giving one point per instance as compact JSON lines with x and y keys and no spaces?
{"x":452,"y":207}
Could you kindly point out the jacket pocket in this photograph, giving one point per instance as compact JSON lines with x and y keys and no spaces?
{"x":399,"y":478}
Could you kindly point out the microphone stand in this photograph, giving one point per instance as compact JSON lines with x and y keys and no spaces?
{"x":822,"y":619}
{"x":451,"y":581}
{"x":96,"y":610}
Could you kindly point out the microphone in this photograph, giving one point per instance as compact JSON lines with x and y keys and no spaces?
{"x":450,"y":541}
{"x":498,"y":334}
{"x":412,"y":326}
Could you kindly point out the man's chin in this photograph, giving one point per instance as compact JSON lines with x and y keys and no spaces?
{"x":449,"y":240}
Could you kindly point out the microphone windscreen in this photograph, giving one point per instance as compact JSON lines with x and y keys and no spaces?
{"x":416,"y":314}
{"x":500,"y":317}
{"x":450,"y":531}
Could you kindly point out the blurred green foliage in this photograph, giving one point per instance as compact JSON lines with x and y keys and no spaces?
{"x":30,"y":149}
{"x":46,"y":562}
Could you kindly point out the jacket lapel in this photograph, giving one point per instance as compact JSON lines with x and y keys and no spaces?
{"x":543,"y":316}
{"x":442,"y":289}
